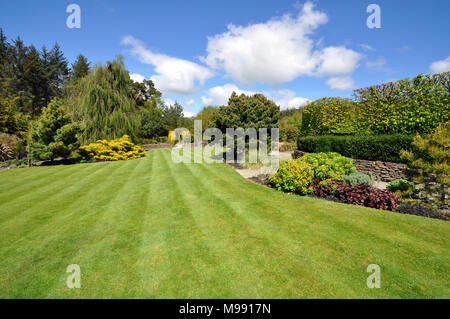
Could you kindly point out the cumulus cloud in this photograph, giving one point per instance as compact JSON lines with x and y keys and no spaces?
{"x":337,"y":61}
{"x":189,"y":113}
{"x":137,"y":77}
{"x":287,"y":99}
{"x":440,"y":66}
{"x":278,"y":51}
{"x":174,"y":75}
{"x":341,"y":83}
{"x":219,"y":95}
{"x":190,"y":102}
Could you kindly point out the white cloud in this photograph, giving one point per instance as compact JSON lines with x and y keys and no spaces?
{"x":137,"y":77}
{"x":174,"y":75}
{"x":168,"y":101}
{"x":440,"y":66}
{"x":341,"y":83}
{"x":189,"y":113}
{"x":287,"y":99}
{"x":278,"y":51}
{"x":377,"y":65}
{"x":338,"y":61}
{"x":190,"y":102}
{"x":219,"y":95}
{"x":366,"y":47}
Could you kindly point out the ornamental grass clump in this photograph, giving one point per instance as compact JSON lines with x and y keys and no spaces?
{"x":114,"y":150}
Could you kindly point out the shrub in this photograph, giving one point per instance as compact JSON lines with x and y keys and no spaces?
{"x":286,"y":146}
{"x":357,"y":178}
{"x":114,"y":150}
{"x":428,"y":161}
{"x":172,"y":136}
{"x":298,"y":175}
{"x":328,"y":166}
{"x":407,"y":107}
{"x":293,"y":176}
{"x":329,"y":115}
{"x":53,"y":134}
{"x":384,"y":148}
{"x":362,"y":194}
{"x":402,"y":188}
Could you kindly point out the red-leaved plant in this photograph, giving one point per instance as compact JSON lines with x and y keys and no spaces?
{"x":362,"y":194}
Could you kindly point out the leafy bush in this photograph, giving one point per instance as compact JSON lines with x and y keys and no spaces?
{"x":357,"y":178}
{"x":362,"y":194}
{"x":384,"y":148}
{"x":293,"y":176}
{"x":402,"y":188}
{"x":114,"y":150}
{"x":428,"y":161}
{"x":406,"y":107}
{"x":328,"y":166}
{"x":286,"y":146}
{"x":53,"y":134}
{"x":327,"y":115}
{"x":298,"y":175}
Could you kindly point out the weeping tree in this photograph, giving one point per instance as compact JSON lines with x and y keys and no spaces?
{"x":103,"y":105}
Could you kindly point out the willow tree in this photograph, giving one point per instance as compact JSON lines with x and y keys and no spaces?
{"x":102,"y":103}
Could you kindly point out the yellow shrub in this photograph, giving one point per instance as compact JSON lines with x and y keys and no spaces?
{"x":114,"y":150}
{"x":172,"y":137}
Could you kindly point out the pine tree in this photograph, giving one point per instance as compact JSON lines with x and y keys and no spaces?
{"x":53,"y":134}
{"x":428,"y":162}
{"x":80,"y":68}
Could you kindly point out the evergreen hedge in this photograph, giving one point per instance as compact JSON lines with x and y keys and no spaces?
{"x":384,"y":148}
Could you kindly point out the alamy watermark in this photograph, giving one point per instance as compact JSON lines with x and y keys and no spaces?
{"x":374,"y":20}
{"x":74,"y":279}
{"x":374,"y":280}
{"x":241,"y":146}
{"x":74,"y":19}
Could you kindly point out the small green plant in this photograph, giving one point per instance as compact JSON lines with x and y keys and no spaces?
{"x":328,"y":166}
{"x":400,"y":185}
{"x":298,"y":175}
{"x":293,"y":176}
{"x":402,"y":188}
{"x":357,"y":178}
{"x":428,"y":162}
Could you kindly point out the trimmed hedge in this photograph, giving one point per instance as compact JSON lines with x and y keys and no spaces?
{"x":385,"y":148}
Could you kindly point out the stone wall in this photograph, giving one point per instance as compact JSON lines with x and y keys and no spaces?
{"x":383,"y":171}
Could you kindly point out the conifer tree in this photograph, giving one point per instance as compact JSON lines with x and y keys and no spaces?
{"x":80,"y":68}
{"x":429,"y":161}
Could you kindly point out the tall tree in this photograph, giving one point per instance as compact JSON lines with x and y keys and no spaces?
{"x":102,"y":103}
{"x":172,"y":115}
{"x":80,"y":68}
{"x":145,"y":91}
{"x":244,"y":111}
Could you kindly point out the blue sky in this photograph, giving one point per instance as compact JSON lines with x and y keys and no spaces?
{"x":197,"y":52}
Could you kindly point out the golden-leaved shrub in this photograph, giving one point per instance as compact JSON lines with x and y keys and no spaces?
{"x":114,"y":150}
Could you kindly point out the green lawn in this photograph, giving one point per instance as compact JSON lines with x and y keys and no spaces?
{"x":154,"y":229}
